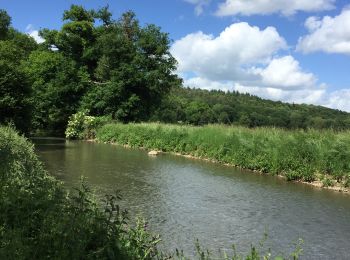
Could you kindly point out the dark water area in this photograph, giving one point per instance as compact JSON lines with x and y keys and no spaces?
{"x":185,"y":199}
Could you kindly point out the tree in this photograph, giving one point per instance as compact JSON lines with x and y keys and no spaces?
{"x":14,"y":87}
{"x":5,"y":21}
{"x":134,"y":70}
{"x":58,"y":85}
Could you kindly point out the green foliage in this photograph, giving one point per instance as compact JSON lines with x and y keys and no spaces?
{"x":82,"y":126}
{"x":198,"y":107}
{"x":15,"y":89}
{"x":134,"y":70}
{"x":5,"y":21}
{"x":298,"y":154}
{"x":58,"y":85}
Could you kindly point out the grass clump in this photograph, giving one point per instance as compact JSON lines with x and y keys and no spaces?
{"x":298,"y":154}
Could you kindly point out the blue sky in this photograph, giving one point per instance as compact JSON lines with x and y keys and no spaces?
{"x":291,"y":50}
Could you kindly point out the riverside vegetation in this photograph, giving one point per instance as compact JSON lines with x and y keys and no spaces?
{"x":305,"y":155}
{"x":41,"y":220}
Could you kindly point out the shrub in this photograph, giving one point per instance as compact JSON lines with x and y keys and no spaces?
{"x":82,"y":126}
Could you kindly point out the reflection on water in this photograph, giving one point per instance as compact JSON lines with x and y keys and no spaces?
{"x":186,"y":199}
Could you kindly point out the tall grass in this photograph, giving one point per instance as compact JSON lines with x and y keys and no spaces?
{"x":298,"y":154}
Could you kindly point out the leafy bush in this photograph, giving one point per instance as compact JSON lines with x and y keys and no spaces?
{"x":82,"y":126}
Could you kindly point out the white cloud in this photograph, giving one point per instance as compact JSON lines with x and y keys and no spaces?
{"x":263,"y":7}
{"x":227,"y":56}
{"x":240,"y":54}
{"x":285,"y":72}
{"x":199,"y":5}
{"x":248,"y":59}
{"x":339,"y":100}
{"x":203,"y":83}
{"x":330,"y":34}
{"x":34,"y":33}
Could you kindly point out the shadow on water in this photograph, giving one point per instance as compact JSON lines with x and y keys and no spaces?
{"x":44,"y":144}
{"x":185,"y":199}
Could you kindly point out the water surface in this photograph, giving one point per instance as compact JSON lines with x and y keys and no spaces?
{"x":185,"y":199}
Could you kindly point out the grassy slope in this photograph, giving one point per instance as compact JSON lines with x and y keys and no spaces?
{"x":298,"y":155}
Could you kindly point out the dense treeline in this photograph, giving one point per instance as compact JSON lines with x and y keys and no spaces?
{"x":118,"y":68}
{"x":199,"y":107}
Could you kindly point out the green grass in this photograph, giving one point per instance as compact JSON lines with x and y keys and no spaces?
{"x":298,"y":154}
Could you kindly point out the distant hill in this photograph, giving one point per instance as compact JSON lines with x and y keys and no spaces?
{"x":198,"y":107}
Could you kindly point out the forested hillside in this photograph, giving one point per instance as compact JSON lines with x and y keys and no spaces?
{"x":118,"y":68}
{"x":198,"y":107}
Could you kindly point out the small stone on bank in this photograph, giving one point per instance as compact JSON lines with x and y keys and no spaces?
{"x":153,"y":153}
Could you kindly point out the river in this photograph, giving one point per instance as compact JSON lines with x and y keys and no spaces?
{"x":185,"y":199}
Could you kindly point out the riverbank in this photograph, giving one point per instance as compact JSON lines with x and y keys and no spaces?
{"x":318,"y":158}
{"x":40,"y":219}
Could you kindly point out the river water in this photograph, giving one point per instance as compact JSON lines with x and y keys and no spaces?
{"x":185,"y":199}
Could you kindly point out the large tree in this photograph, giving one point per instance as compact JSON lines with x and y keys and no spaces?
{"x":134,"y":70}
{"x":58,"y":85}
{"x":15,"y":90}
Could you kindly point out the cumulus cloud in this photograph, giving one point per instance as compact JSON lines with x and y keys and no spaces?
{"x":199,"y":5}
{"x":203,"y":83}
{"x":285,"y":72}
{"x":226,"y":56}
{"x":34,"y":33}
{"x":248,"y":59}
{"x":339,"y":100}
{"x":241,"y":54}
{"x":263,"y":7}
{"x":329,"y":34}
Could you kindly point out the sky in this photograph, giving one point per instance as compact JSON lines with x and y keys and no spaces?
{"x":295,"y":51}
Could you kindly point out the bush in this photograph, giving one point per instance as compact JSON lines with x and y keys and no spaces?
{"x":82,"y":126}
